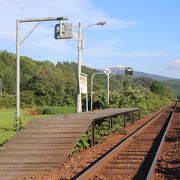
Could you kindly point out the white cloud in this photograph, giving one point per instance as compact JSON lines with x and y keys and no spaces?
{"x":175,"y":65}
{"x":110,"y":49}
{"x":41,"y":41}
{"x":177,"y":62}
{"x":118,"y":66}
{"x":76,"y":10}
{"x":143,"y":54}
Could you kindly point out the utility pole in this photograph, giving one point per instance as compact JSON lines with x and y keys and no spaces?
{"x":80,"y":39}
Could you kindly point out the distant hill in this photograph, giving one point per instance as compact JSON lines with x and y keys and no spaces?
{"x":173,"y":84}
{"x":143,"y":74}
{"x":152,"y":76}
{"x":146,"y":79}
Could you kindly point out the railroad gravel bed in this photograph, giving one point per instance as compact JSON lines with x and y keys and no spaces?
{"x":84,"y":158}
{"x":168,"y":166}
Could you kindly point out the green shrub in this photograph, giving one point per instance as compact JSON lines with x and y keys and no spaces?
{"x":7,"y":101}
{"x":55,"y":110}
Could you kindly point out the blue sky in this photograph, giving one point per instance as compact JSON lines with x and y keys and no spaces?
{"x":141,"y":34}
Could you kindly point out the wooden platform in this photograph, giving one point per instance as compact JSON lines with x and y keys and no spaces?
{"x":46,"y":143}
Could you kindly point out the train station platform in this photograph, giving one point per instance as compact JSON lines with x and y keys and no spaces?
{"x":46,"y":143}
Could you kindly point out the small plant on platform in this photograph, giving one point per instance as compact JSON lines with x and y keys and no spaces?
{"x":15,"y":124}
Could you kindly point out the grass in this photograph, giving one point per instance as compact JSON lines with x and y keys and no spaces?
{"x":7,"y":119}
{"x":55,"y":110}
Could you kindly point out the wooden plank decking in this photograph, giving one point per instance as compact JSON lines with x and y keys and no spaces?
{"x":46,"y":143}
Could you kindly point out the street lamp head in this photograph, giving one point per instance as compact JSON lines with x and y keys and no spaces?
{"x":101,"y":23}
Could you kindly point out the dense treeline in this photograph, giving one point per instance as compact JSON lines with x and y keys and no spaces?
{"x":46,"y":84}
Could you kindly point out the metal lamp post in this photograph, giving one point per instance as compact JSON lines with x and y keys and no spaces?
{"x":80,"y":48}
{"x":92,"y":78}
{"x":18,"y":43}
{"x":127,"y":71}
{"x":108,"y":73}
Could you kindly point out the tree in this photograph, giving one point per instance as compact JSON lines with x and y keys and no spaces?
{"x":160,"y":89}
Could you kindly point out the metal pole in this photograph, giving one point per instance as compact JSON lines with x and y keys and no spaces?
{"x":86,"y":102}
{"x":111,"y":123}
{"x":17,"y":75}
{"x":79,"y":103}
{"x":108,"y":89}
{"x":43,"y":19}
{"x":139,"y":114}
{"x":92,"y":92}
{"x":92,"y":133}
{"x":30,"y":32}
{"x":18,"y":21}
{"x":92,"y":78}
{"x":124,"y":122}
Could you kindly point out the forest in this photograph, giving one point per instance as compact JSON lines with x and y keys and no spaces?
{"x":46,"y":84}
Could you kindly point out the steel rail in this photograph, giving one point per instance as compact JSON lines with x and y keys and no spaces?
{"x":89,"y":172}
{"x":151,"y":173}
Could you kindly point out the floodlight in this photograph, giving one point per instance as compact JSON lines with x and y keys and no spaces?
{"x":63,"y":31}
{"x":129,"y":71}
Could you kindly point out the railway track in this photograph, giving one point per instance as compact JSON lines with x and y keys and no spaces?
{"x":167,"y":161}
{"x":135,"y":156}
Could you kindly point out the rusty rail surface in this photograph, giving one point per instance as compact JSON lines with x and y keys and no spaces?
{"x":133,"y":157}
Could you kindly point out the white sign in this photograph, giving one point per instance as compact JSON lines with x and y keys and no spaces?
{"x":107,"y":71}
{"x":83,"y":83}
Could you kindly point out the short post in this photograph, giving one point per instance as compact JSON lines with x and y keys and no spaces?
{"x":86,"y":102}
{"x":92,"y":133}
{"x":111,"y":123}
{"x":124,"y":122}
{"x":132,"y":117}
{"x":139,"y":114}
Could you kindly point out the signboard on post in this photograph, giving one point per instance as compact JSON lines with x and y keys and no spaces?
{"x":107,"y":71}
{"x":83,"y":83}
